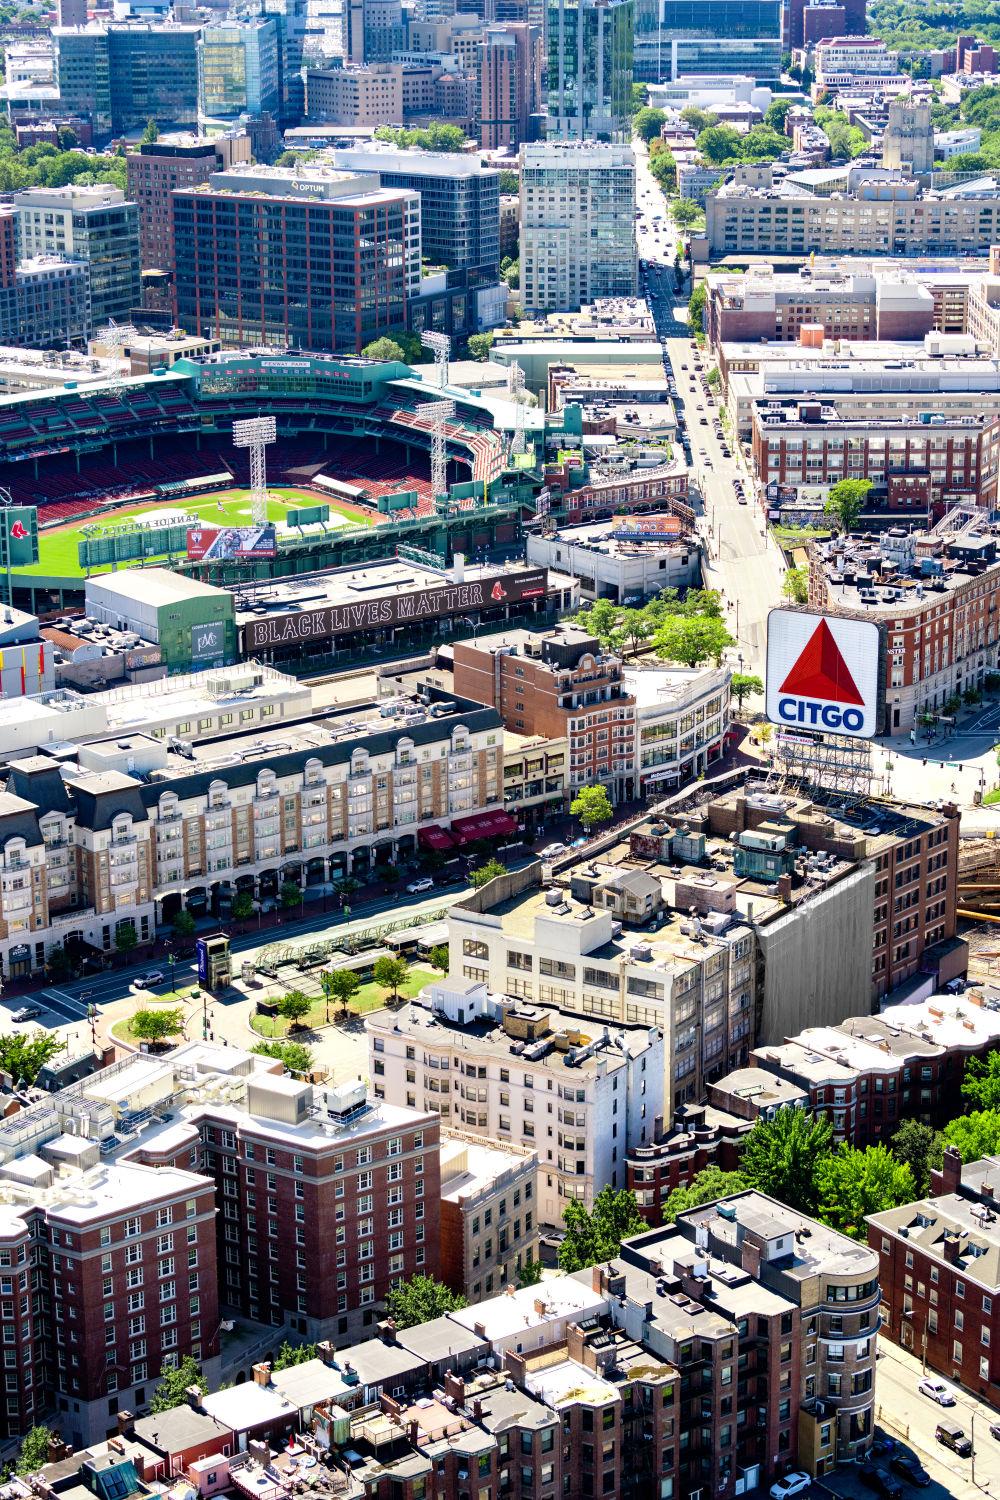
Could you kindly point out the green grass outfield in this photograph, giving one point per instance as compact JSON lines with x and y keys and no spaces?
{"x":58,"y":549}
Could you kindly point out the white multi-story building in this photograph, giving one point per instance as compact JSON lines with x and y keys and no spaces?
{"x":681,"y":722}
{"x":577,"y":224}
{"x":512,"y":1072}
{"x":95,"y":224}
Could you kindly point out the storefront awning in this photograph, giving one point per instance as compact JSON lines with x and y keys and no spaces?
{"x":482,"y":826}
{"x":435,"y":838}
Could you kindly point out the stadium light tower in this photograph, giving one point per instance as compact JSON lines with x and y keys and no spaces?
{"x":438,"y":412}
{"x":255,"y":433}
{"x":515,"y":390}
{"x":114,"y":338}
{"x":440,"y":343}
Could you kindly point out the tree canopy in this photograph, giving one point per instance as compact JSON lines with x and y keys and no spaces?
{"x":976,"y":1135}
{"x":34,"y":1451}
{"x":384,"y":348}
{"x":296,"y":1057}
{"x":157,"y":1025}
{"x":174,"y":1381}
{"x":436,"y":137}
{"x":484,"y":873}
{"x":598,"y":1235}
{"x":705,"y":1187}
{"x":981,"y":1084}
{"x":24,"y":1054}
{"x":846,"y":501}
{"x":692,"y":640}
{"x":855,"y":1183}
{"x":419,"y":1300}
{"x":591,"y":806}
{"x":919,"y":1147}
{"x":781,"y":1157}
{"x":648,"y":123}
{"x":293,"y":1354}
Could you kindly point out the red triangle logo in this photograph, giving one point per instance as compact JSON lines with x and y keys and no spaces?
{"x":821,"y":671}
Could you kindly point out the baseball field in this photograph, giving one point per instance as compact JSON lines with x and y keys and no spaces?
{"x":58,"y":547}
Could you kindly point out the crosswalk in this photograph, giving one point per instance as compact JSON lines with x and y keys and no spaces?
{"x":64,"y":1004}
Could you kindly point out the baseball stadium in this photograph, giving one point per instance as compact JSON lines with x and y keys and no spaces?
{"x":353,"y":437}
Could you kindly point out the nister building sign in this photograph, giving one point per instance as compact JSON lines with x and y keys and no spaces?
{"x":394,"y":609}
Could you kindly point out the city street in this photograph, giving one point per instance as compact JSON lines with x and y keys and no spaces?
{"x":741,"y":560}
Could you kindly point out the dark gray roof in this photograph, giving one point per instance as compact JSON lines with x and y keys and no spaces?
{"x":475,"y":716}
{"x":180,"y":1427}
{"x":18,"y":820}
{"x":100,"y":798}
{"x":37,"y":778}
{"x":440,"y":1339}
{"x":375,"y":1362}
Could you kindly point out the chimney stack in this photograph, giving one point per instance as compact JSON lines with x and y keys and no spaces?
{"x":192,"y":1396}
{"x":262,"y":1374}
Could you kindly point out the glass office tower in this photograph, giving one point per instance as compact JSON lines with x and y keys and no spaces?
{"x":590,"y":70}
{"x":679,"y":38}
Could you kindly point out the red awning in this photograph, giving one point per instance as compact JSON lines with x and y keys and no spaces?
{"x":435,"y":838}
{"x":482,"y":826}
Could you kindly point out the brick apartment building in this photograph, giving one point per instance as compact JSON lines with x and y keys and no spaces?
{"x":809,"y":442}
{"x":938,"y":1261}
{"x":509,"y":71}
{"x":558,"y":683}
{"x":174,"y":161}
{"x":936,"y":599}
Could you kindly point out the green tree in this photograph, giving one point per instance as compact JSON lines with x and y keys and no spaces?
{"x":183,"y":925}
{"x":855,"y":1183}
{"x":981,"y":1084}
{"x":705,"y":1187}
{"x":157,"y":1025}
{"x":340,"y":985}
{"x":719,"y":143}
{"x":480,"y":345}
{"x":685,"y":212}
{"x":640,"y":97}
{"x":150,"y":134}
{"x":795,"y":585}
{"x":293,"y":1354}
{"x":691,"y":640}
{"x":296,"y":1058}
{"x":419,"y":1300}
{"x":440,"y":957}
{"x":598,"y":1235}
{"x":510,"y":271}
{"x":636,"y":626}
{"x":294,"y":1007}
{"x":174,"y":1382}
{"x":776,"y":113}
{"x":918,"y":1146}
{"x":699,"y":119}
{"x":696,"y":307}
{"x":530,"y":1273}
{"x":23,"y":1055}
{"x":389,"y":973}
{"x":384,"y":348}
{"x":591,"y":806}
{"x":510,"y":183}
{"x":762,"y":144}
{"x":713,"y":378}
{"x":290,"y":894}
{"x":846,"y":501}
{"x":742,"y":685}
{"x":483,"y":874}
{"x":601,"y":619}
{"x":663,"y":166}
{"x":242,"y":906}
{"x":647,"y":124}
{"x":976,"y":1135}
{"x":67,"y":137}
{"x":126,"y":939}
{"x":34,"y":1451}
{"x":781,"y":1157}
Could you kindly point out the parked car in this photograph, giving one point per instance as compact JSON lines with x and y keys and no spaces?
{"x":936,"y":1390}
{"x":907,"y":1467}
{"x":27,"y":1013}
{"x":792,"y":1484}
{"x":425,"y":883}
{"x":881,"y":1481}
{"x":147,"y":980}
{"x":552,"y":851}
{"x":950,"y":1435}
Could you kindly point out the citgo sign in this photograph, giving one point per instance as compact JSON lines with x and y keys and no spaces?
{"x":822,"y":672}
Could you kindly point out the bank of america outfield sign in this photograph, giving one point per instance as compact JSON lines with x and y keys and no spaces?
{"x":388,"y":610}
{"x":822,"y":672}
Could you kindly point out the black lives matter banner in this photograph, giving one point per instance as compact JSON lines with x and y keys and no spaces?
{"x":394,"y":609}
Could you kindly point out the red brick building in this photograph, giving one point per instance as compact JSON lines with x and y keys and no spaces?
{"x":173,"y":161}
{"x":558,"y":682}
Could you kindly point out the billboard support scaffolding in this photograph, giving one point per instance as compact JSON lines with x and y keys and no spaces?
{"x":255,"y":433}
{"x":114,"y":338}
{"x":515,"y":389}
{"x":437,"y":413}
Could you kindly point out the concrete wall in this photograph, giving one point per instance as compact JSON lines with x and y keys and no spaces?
{"x":818,"y":959}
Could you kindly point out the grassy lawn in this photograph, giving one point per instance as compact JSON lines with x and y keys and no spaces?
{"x":58,"y":549}
{"x":799,"y":536}
{"x":369,"y":997}
{"x":992,"y":797}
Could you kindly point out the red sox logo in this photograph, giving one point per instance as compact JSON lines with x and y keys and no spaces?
{"x":17,"y":530}
{"x":499,"y":592}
